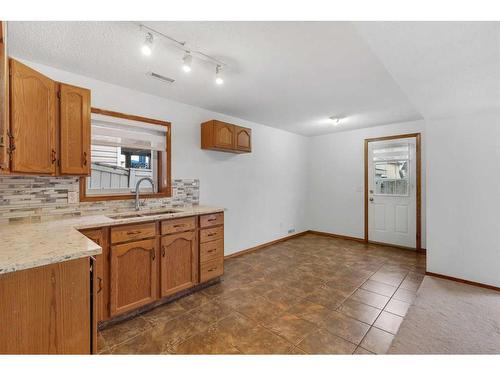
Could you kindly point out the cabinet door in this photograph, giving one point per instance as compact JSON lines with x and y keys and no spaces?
{"x":223,"y":135}
{"x":179,"y":262}
{"x":33,"y":99}
{"x":74,"y":130}
{"x":46,"y":310}
{"x":4,"y":100}
{"x":133,"y":275}
{"x":100,"y":281}
{"x":243,"y":139}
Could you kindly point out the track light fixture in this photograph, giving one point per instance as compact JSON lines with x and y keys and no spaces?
{"x":218,"y":75}
{"x":186,"y":62}
{"x":147,"y":47}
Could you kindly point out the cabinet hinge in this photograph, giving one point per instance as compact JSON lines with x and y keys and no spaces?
{"x":12,"y":146}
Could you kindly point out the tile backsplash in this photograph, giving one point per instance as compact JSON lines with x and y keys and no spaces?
{"x":31,"y":199}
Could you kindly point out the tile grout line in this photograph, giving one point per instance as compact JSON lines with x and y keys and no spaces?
{"x":382,"y":310}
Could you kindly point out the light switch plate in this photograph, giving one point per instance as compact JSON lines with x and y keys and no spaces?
{"x":72,"y":197}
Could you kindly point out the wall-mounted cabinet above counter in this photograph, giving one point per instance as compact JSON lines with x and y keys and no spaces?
{"x":221,"y":136}
{"x":49,"y":128}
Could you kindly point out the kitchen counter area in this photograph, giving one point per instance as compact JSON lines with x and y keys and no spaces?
{"x":24,"y":246}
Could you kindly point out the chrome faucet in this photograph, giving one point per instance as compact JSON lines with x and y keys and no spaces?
{"x":137,"y":205}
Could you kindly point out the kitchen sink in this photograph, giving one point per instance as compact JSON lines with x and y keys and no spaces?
{"x":142,"y":214}
{"x":163,"y":212}
{"x":124,"y":216}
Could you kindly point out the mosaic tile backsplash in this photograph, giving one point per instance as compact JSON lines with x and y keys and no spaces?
{"x":34,"y":199}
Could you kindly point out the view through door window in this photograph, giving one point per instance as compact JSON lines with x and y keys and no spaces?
{"x":392,"y":170}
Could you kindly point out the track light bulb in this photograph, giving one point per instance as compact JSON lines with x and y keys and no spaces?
{"x":218,"y":75}
{"x":335,"y":120}
{"x":147,"y":47}
{"x":186,"y":62}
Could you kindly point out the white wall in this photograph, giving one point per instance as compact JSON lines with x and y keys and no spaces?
{"x":264,"y":192}
{"x":336,"y":175}
{"x":463,"y":193}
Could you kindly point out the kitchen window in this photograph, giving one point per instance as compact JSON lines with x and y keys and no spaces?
{"x":124,"y":149}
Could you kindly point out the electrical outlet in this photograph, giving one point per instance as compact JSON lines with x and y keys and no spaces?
{"x":72,"y":197}
{"x":291,"y":230}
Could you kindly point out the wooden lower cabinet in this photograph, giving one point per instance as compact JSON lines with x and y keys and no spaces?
{"x":101,"y":272}
{"x":144,"y":262}
{"x":47,"y":310}
{"x":133,"y":275}
{"x":179,"y":262}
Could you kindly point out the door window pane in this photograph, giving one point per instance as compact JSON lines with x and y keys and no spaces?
{"x":391,"y":177}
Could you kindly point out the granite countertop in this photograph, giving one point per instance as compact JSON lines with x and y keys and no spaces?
{"x":24,"y":246}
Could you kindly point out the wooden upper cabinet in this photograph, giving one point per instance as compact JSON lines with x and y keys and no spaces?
{"x":47,"y":131}
{"x":243,"y":139}
{"x":133,"y":275}
{"x":74,"y":130}
{"x":221,"y":136}
{"x":4,"y":101}
{"x":33,"y":104}
{"x":179,"y":262}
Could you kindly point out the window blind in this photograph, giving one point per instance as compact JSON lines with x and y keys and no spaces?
{"x":114,"y":131}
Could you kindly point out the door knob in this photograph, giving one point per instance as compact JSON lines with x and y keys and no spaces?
{"x":371,"y":199}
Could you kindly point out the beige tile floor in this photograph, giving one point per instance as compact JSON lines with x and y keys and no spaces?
{"x":310,"y":294}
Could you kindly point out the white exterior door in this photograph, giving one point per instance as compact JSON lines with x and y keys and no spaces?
{"x":392,"y":192}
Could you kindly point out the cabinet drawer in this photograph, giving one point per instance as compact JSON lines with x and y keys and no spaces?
{"x":211,"y":219}
{"x":132,"y":232}
{"x":211,"y":234}
{"x":178,"y":225}
{"x":211,"y":250}
{"x":211,"y":269}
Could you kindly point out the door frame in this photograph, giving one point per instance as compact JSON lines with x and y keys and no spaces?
{"x":417,"y":137}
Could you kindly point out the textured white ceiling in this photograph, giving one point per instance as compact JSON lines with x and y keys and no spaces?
{"x":445,"y":68}
{"x":290,"y":75}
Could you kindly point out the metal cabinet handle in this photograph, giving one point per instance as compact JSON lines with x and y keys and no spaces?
{"x":163,"y":251}
{"x":130,"y":232}
{"x":53,"y":156}
{"x":211,"y":251}
{"x":179,"y":225}
{"x":100,"y":284}
{"x":211,"y":234}
{"x":153,"y":256}
{"x":84,"y":158}
{"x":212,"y":269}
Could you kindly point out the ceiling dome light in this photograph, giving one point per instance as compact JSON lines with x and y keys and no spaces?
{"x":147,"y":47}
{"x":186,"y":62}
{"x":218,"y":75}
